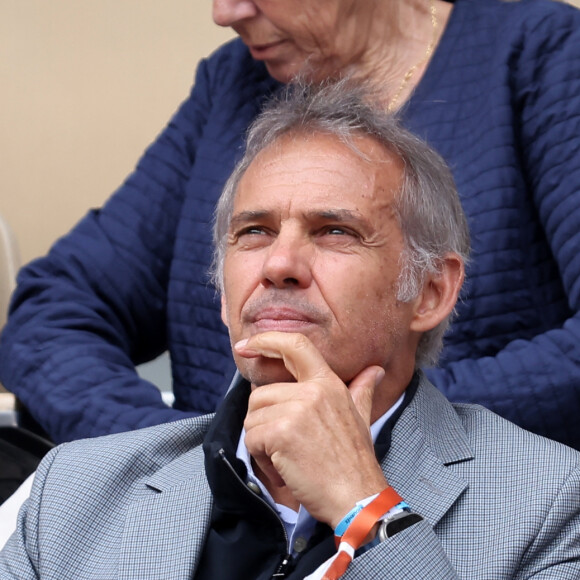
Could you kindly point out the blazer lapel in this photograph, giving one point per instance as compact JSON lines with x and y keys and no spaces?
{"x":165,"y":530}
{"x":427,"y":439}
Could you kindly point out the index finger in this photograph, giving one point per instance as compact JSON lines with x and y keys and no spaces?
{"x":299,"y":355}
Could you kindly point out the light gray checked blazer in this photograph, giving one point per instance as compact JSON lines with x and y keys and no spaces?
{"x":498,"y":502}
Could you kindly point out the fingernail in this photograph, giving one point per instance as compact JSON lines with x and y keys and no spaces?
{"x":241,"y":343}
{"x":379,"y":377}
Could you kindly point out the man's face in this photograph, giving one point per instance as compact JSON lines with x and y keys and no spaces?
{"x":314,"y":247}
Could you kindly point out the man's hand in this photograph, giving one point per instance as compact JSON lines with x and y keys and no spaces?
{"x":313,"y":436}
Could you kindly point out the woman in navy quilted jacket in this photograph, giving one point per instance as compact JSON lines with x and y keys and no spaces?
{"x":494,"y":86}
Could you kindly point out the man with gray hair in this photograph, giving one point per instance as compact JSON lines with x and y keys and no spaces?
{"x":340,"y":253}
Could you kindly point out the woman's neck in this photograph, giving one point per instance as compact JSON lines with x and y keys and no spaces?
{"x":402,"y":40}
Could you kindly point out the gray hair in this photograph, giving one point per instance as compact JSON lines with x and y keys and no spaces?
{"x":427,"y":208}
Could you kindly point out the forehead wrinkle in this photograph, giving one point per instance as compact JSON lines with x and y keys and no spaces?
{"x":305,"y":171}
{"x":288,"y":146}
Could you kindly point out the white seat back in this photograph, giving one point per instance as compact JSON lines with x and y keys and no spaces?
{"x":9,"y":264}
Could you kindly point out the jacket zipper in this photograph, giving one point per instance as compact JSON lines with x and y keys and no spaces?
{"x":283,"y":567}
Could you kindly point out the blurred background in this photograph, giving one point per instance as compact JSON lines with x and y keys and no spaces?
{"x":85,"y":86}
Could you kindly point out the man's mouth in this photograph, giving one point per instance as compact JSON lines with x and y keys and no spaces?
{"x":282,"y":319}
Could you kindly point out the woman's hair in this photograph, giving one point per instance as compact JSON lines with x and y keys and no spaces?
{"x":427,"y":208}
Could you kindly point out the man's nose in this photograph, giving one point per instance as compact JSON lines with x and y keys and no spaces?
{"x":228,"y":12}
{"x":288,"y":262}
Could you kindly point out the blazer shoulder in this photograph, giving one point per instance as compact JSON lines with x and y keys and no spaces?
{"x":126,"y":457}
{"x":166,"y":439}
{"x":494,"y":437}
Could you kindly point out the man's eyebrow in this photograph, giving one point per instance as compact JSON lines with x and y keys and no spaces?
{"x":338,"y":215}
{"x":247,"y":216}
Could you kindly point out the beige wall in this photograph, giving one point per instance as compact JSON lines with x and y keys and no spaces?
{"x":85,"y":85}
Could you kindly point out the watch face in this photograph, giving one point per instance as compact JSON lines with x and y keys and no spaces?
{"x":399,"y":522}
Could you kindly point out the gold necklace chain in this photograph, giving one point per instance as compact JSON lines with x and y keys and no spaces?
{"x":409,"y":74}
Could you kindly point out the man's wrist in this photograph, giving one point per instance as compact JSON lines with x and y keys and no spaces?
{"x":358,"y":524}
{"x":342,"y":526}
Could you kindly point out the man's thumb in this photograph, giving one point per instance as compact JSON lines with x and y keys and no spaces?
{"x":362,"y":390}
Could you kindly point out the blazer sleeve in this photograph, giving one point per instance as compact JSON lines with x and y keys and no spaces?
{"x":19,"y":559}
{"x":555,"y":552}
{"x":536,"y":382}
{"x":95,"y":306}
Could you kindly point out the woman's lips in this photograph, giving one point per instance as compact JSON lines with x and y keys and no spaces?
{"x":265,"y":51}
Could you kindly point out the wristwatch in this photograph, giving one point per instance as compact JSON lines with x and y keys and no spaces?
{"x":398,"y":523}
{"x":391,"y":526}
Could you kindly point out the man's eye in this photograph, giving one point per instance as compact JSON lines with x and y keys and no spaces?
{"x":338,"y":231}
{"x":252,"y":231}
{"x":251,"y":236}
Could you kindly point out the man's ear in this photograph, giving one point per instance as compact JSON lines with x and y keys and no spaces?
{"x":439,"y":295}
{"x":224,"y":311}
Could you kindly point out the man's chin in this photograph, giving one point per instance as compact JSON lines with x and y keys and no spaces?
{"x":265,"y":371}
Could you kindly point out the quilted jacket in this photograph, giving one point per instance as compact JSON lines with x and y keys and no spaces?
{"x":500,"y":101}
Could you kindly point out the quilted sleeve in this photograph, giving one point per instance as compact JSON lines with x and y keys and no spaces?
{"x":95,"y":306}
{"x":541,"y":375}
